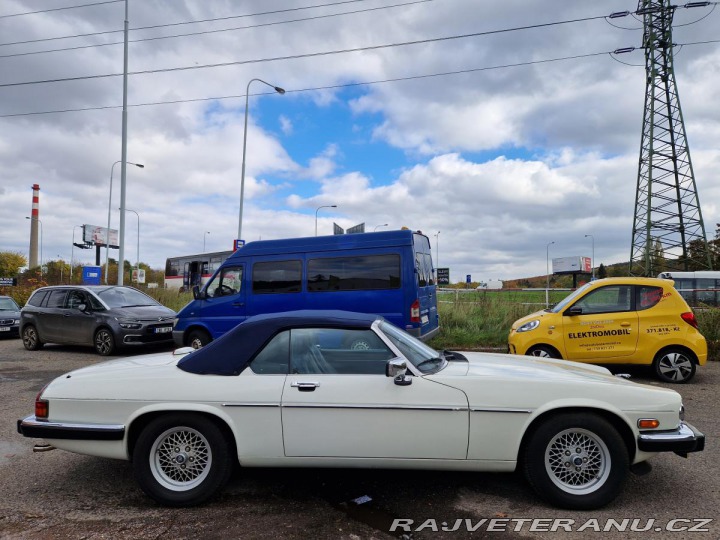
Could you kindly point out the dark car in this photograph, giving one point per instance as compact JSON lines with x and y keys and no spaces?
{"x":9,"y":317}
{"x":106,"y":317}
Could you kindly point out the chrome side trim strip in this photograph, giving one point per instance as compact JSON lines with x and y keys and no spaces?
{"x":372,"y":407}
{"x":250,"y":404}
{"x":516,"y":411}
{"x":43,"y":429}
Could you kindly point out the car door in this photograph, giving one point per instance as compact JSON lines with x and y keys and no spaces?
{"x":78,"y":326}
{"x":338,"y":402}
{"x":602,"y":324}
{"x":49,"y":318}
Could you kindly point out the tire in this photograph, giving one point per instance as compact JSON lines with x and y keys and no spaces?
{"x":182,"y":459}
{"x":31,"y":338}
{"x":542,"y":351}
{"x":104,"y":342}
{"x":198,"y":338}
{"x":577,"y":461}
{"x":674,"y":365}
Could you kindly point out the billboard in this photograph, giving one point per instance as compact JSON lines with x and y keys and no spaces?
{"x":138,"y":276}
{"x":337,"y":229}
{"x":572,"y":265}
{"x":356,"y":229}
{"x":443,"y":276}
{"x":92,"y":234}
{"x":91,"y":275}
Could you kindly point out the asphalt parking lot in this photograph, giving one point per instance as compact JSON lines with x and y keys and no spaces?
{"x":58,"y":495}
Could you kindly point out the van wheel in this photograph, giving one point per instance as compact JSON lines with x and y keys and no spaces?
{"x":542,"y":351}
{"x":31,"y":338}
{"x":674,"y":366}
{"x":576,"y":460}
{"x":198,"y":338}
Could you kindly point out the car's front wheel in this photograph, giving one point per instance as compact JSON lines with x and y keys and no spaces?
{"x":674,"y":366}
{"x":576,"y":461}
{"x":104,"y":342}
{"x":31,"y":338}
{"x":542,"y":351}
{"x":182,"y":459}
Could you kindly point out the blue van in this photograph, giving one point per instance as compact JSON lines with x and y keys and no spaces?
{"x":389,"y":273}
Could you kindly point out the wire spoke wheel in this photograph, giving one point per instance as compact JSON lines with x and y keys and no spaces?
{"x":180,"y":458}
{"x":577,"y":461}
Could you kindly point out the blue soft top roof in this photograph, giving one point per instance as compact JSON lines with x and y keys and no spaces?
{"x":230,"y":354}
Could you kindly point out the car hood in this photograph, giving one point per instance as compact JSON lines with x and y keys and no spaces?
{"x":9,"y":314}
{"x":143,"y":313}
{"x":533,"y":316}
{"x":504,"y":380}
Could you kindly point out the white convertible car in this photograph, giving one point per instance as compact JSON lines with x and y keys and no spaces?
{"x":340,"y":389}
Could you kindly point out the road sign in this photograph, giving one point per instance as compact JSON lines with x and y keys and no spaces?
{"x":237,"y":244}
{"x":443,"y":276}
{"x":468,"y":278}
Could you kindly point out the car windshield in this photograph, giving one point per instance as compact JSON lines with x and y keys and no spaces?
{"x":560,"y":306}
{"x":8,"y":304}
{"x":121,"y":297}
{"x":425,"y":358}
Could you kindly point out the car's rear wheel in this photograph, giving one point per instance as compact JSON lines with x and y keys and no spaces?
{"x":674,"y":365}
{"x":182,"y":459}
{"x":198,"y":338}
{"x":31,"y":338}
{"x":576,"y":461}
{"x":104,"y":342}
{"x":542,"y":351}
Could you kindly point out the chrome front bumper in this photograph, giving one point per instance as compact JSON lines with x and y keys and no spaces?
{"x":683,"y":440}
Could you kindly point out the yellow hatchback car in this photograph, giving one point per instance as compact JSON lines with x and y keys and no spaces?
{"x":618,"y":321}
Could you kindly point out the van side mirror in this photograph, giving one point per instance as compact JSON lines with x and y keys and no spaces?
{"x":575,"y":310}
{"x":397,"y":369}
{"x":196,"y":292}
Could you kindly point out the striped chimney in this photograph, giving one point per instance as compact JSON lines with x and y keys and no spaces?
{"x":34,"y":217}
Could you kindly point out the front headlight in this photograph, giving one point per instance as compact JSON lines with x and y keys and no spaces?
{"x":129,"y":324}
{"x":532,"y":325}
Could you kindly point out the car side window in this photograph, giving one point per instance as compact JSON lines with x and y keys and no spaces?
{"x":74,"y":299}
{"x":56,"y":299}
{"x":647,"y":297}
{"x":227,"y":283}
{"x":273,"y":358}
{"x":611,"y":299}
{"x":37,"y":298}
{"x":337,"y":351}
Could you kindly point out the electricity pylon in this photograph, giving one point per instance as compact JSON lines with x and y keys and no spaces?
{"x":668,"y":230}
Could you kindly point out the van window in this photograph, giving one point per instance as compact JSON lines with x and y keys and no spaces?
{"x":365,"y":272}
{"x":226,"y":283}
{"x":37,"y":298}
{"x":57,"y":298}
{"x":276,"y":277}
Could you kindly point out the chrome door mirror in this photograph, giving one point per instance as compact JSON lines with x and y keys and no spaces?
{"x":397,"y":369}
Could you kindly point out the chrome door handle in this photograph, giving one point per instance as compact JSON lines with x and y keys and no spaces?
{"x":305,"y":386}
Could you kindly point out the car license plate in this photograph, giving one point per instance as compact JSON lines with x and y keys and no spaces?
{"x":4,"y":328}
{"x":163,"y":329}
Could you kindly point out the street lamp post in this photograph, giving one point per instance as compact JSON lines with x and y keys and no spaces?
{"x":41,"y":241}
{"x":107,"y":231}
{"x":242,"y":172}
{"x":62,"y":264}
{"x":593,"y":253}
{"x":316,"y":213}
{"x":376,"y":227}
{"x":205,"y":236}
{"x":547,"y":271}
{"x":137,"y":266}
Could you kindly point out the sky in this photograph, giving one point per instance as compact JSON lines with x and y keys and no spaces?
{"x":402,"y":113}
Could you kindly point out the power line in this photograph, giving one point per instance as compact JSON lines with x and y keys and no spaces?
{"x":349,"y":85}
{"x":275,"y":12}
{"x":306,"y":55}
{"x":59,"y":9}
{"x":260,"y":25}
{"x":329,"y":87}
